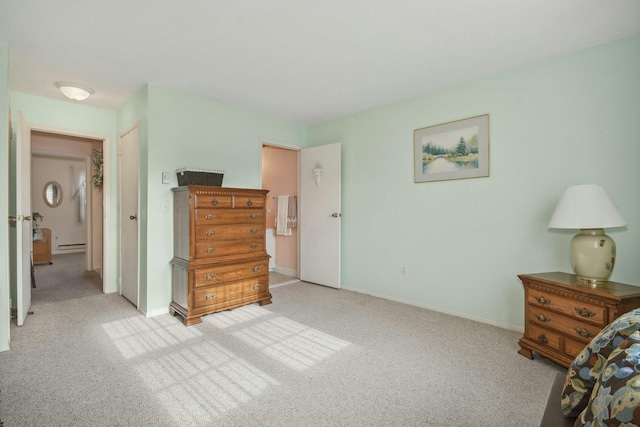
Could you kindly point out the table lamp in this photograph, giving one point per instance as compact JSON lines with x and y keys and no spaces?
{"x":593,"y":253}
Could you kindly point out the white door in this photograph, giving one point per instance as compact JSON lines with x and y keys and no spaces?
{"x":24,"y":232}
{"x":129,"y":214}
{"x":320,"y":183}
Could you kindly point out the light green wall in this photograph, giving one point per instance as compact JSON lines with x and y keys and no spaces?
{"x":571,"y":120}
{"x":187,"y":130}
{"x":63,"y":114}
{"x":5,"y":313}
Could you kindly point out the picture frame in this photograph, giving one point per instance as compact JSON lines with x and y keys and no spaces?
{"x":453,"y":150}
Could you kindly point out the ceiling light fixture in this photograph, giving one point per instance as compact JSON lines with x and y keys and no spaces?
{"x":74,"y":91}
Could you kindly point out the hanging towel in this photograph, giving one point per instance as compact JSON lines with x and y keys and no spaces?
{"x":282,"y":225}
{"x":292,"y":212}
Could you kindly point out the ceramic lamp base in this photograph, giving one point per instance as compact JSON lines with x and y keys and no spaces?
{"x":593,"y":255}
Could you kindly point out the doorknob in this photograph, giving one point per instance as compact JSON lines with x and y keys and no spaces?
{"x":26,"y":218}
{"x":13,"y":219}
{"x":134,"y":217}
{"x":336,"y":215}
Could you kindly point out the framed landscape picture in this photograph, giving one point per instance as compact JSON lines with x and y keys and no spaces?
{"x":454,"y":150}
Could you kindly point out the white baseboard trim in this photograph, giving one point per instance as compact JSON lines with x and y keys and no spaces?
{"x":154,"y":313}
{"x":440,"y":310}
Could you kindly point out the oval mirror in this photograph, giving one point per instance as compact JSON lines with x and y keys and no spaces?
{"x":52,"y":194}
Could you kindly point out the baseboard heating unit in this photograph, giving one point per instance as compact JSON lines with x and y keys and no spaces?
{"x":72,"y":246}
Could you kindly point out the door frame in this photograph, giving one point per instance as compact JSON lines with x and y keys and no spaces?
{"x":108,"y":283}
{"x":292,"y":147}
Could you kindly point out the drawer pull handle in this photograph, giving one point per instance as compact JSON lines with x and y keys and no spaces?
{"x":253,"y":216}
{"x":542,"y":300}
{"x":210,"y":233}
{"x":209,"y":250}
{"x":542,"y":318}
{"x":584,"y":312}
{"x":209,"y":276}
{"x":253,"y":230}
{"x":256,"y":286}
{"x":256,"y":268}
{"x":249,"y":202}
{"x":214,"y":202}
{"x":209,"y":216}
{"x":584,"y":333}
{"x":253,"y":245}
{"x":542,"y":339}
{"x":209,"y":296}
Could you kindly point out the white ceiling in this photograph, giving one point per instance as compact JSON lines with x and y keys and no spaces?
{"x":302,"y":60}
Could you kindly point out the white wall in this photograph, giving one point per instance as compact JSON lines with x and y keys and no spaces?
{"x":571,"y":120}
{"x":63,"y":220}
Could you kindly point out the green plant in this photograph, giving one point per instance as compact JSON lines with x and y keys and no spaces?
{"x":98,"y":168}
{"x":37,"y":216}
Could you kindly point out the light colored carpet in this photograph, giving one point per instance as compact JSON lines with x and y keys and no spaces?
{"x":315,"y":357}
{"x":279,"y":279}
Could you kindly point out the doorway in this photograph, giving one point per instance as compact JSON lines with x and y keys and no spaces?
{"x":22,"y":242}
{"x":311,"y":179}
{"x":73,"y":225}
{"x":280,"y":165}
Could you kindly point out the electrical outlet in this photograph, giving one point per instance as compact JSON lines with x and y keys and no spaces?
{"x":403,"y":270}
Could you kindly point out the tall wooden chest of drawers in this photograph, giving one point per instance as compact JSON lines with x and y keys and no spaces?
{"x":220,"y":260}
{"x":563,"y":314}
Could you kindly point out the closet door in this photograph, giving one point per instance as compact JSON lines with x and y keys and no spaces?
{"x":320,"y":214}
{"x":129,"y":215}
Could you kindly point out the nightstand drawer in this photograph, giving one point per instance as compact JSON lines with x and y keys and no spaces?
{"x":571,"y":327}
{"x":544,"y":337}
{"x":569,"y":307}
{"x":573,"y":348}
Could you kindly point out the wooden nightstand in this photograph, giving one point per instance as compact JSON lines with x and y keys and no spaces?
{"x":563,"y":314}
{"x":42,"y":248}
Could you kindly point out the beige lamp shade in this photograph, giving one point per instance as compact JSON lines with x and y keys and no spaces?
{"x":587,"y":207}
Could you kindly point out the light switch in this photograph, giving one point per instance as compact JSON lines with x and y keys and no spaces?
{"x":166,"y":178}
